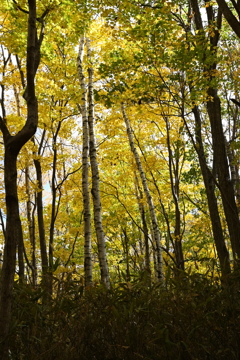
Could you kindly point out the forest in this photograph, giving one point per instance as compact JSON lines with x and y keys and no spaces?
{"x":120,"y":179}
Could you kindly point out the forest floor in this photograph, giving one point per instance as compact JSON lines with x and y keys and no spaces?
{"x":192,"y":318}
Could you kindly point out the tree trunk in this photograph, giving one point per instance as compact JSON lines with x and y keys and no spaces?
{"x":41,"y":226}
{"x":125,"y":244}
{"x":85,"y":175}
{"x":219,"y":150}
{"x":54,"y":209}
{"x":20,"y":257}
{"x":13,"y":236}
{"x":174,"y":179}
{"x":209,"y":183}
{"x":234,"y":169}
{"x":139,"y":195}
{"x":155,"y":228}
{"x":221,"y":162}
{"x":97,"y":208}
{"x":229,"y":16}
{"x":13,"y":145}
{"x":31,"y":228}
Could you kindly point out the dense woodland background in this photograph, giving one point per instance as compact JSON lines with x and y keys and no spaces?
{"x":120,"y":191}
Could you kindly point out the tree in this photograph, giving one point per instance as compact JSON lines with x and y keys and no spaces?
{"x":13,"y":145}
{"x":229,"y":14}
{"x":199,"y":48}
{"x":219,"y":144}
{"x":153,"y":127}
{"x":85,"y":176}
{"x":97,"y":208}
{"x":154,"y":222}
{"x":89,"y":151}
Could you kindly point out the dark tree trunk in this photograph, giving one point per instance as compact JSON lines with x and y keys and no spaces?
{"x":209,"y":183}
{"x":173,"y":165}
{"x":219,"y":152}
{"x":13,"y":236}
{"x":222,"y":167}
{"x":41,"y":226}
{"x":46,"y":284}
{"x":13,"y":145}
{"x":126,"y":246}
{"x":55,"y":206}
{"x":20,"y":256}
{"x":229,"y":16}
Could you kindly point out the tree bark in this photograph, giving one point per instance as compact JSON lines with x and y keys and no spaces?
{"x":234,"y":169}
{"x":13,"y":145}
{"x":139,"y":195}
{"x":229,"y":16}
{"x":41,"y":225}
{"x":54,"y":209}
{"x":97,"y":207}
{"x":85,"y":175}
{"x":209,"y":183}
{"x":13,"y":236}
{"x":126,"y":245}
{"x":155,"y":228}
{"x":31,"y":228}
{"x":225,"y":183}
{"x":219,"y":154}
{"x":174,"y":179}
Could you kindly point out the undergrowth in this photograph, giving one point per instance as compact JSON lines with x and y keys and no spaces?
{"x":192,"y":319}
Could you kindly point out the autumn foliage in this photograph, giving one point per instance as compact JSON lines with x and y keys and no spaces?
{"x":120,"y":192}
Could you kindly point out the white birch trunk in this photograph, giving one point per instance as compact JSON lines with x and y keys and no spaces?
{"x":139,"y":196}
{"x":156,"y":231}
{"x":85,"y":176}
{"x":97,"y":208}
